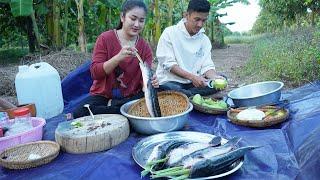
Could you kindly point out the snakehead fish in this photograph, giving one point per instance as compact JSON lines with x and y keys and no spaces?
{"x":198,"y":153}
{"x":206,"y":167}
{"x":150,"y":93}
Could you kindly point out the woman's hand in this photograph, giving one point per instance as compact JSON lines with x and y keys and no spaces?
{"x":154,"y":81}
{"x":126,"y":52}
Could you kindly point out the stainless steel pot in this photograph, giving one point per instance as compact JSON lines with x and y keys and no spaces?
{"x":257,"y":94}
{"x":153,"y":125}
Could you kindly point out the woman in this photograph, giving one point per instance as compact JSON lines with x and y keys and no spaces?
{"x":115,"y":70}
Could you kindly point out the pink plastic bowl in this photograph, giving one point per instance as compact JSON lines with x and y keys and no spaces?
{"x":35,"y":134}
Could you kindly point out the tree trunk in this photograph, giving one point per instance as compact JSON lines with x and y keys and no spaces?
{"x":218,"y":41}
{"x":157,"y":18}
{"x":56,"y":26}
{"x":66,"y":22}
{"x":170,"y":11}
{"x":35,"y":29}
{"x":49,"y":22}
{"x":31,"y":35}
{"x":81,"y":38}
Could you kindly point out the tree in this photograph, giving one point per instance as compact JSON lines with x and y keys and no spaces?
{"x":23,"y":11}
{"x":82,"y":37}
{"x":314,"y":6}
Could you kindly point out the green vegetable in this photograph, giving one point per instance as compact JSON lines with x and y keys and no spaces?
{"x":209,"y":103}
{"x":216,"y":104}
{"x":197,"y":99}
{"x":76,"y":124}
{"x":219,"y":84}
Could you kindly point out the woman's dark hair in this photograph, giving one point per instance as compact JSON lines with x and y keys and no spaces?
{"x":129,"y":5}
{"x":198,"y":6}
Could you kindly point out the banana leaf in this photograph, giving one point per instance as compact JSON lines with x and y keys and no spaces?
{"x":4,"y":1}
{"x":21,"y":7}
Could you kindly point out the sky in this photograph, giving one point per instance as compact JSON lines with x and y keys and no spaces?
{"x":244,"y":16}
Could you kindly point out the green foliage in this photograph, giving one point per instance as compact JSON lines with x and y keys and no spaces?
{"x":286,"y":9}
{"x":12,"y":55}
{"x":21,"y":7}
{"x":242,"y":38}
{"x":292,"y":55}
{"x":278,"y":14}
{"x":58,"y":24}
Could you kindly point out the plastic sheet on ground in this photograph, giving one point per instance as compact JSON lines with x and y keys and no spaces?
{"x":290,"y":150}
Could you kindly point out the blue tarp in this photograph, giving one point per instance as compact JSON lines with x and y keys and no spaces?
{"x":290,"y":150}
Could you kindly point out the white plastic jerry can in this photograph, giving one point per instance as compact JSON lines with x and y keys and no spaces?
{"x":40,"y":84}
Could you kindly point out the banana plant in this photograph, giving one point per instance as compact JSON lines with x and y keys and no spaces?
{"x":81,"y":38}
{"x":24,"y":8}
{"x":21,"y":7}
{"x":216,"y":27}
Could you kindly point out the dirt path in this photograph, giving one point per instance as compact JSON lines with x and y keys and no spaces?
{"x":229,"y":59}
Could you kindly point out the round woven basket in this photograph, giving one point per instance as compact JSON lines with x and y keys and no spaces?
{"x":29,"y":155}
{"x":268,"y":121}
{"x":170,"y":102}
{"x":208,"y":110}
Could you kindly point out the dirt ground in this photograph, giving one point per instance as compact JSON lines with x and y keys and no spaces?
{"x":226,"y":60}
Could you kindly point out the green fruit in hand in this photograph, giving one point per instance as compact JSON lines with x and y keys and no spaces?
{"x":219,"y":83}
{"x":197,"y":99}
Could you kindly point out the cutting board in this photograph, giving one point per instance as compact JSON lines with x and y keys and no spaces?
{"x":102,"y":133}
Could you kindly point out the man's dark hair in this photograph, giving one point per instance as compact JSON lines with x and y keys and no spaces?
{"x":198,"y":6}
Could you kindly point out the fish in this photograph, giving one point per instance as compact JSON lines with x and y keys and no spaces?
{"x":150,"y":93}
{"x":158,"y":156}
{"x":200,"y":154}
{"x":218,"y":164}
{"x":205,"y":167}
{"x":178,"y":153}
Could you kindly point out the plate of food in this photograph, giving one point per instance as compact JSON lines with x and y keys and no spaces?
{"x":188,"y":155}
{"x":208,"y":104}
{"x":263,"y":116}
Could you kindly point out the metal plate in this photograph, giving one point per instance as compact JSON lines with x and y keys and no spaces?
{"x":142,"y":150}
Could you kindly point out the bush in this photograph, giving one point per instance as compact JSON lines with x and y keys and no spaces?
{"x":292,"y":56}
{"x":12,"y":55}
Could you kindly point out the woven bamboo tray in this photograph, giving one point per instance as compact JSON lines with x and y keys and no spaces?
{"x":208,"y":110}
{"x":29,"y":155}
{"x":170,"y":102}
{"x":268,"y":121}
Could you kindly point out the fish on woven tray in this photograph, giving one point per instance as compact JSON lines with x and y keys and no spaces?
{"x":190,"y":160}
{"x":150,"y":93}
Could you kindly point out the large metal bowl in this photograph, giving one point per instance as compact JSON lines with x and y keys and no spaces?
{"x":262,"y":93}
{"x":154,"y":125}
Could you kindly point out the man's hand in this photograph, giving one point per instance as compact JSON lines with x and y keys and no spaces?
{"x":198,"y":81}
{"x":154,"y":81}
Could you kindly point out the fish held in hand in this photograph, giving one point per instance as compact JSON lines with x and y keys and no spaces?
{"x":150,"y":93}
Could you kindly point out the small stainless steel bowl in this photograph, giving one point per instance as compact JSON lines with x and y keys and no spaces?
{"x":153,"y":125}
{"x":262,"y":93}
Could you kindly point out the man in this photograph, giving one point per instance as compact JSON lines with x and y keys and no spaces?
{"x":184,"y":53}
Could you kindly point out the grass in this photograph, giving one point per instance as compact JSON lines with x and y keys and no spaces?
{"x":242,"y":39}
{"x":12,"y":55}
{"x":292,"y":56}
